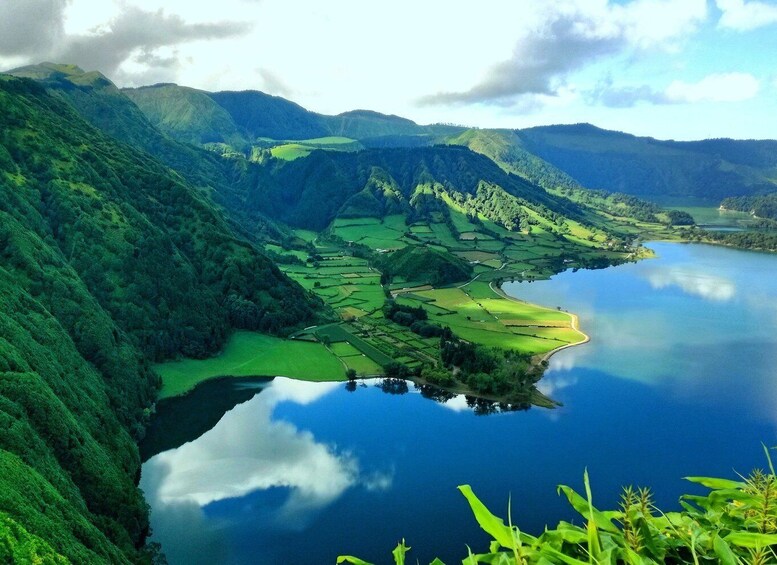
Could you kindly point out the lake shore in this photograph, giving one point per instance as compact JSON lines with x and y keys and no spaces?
{"x":574,"y":322}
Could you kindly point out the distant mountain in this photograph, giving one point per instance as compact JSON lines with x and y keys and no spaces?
{"x":187,"y":114}
{"x":246,"y":117}
{"x":704,"y":170}
{"x":506,"y":149}
{"x":366,"y":124}
{"x":261,"y":115}
{"x":572,"y":156}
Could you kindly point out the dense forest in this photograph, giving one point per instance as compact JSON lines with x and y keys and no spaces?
{"x":313,"y":191}
{"x":104,"y":252}
{"x":707,"y":170}
{"x":764,"y":206}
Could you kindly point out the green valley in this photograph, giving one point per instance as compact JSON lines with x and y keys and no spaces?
{"x":158,"y":237}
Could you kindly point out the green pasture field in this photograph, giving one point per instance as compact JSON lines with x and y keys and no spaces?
{"x":473,"y":235}
{"x":362,"y":364}
{"x":477,"y":255}
{"x":344,"y":349}
{"x":330,"y":140}
{"x":488,"y":319}
{"x":461,"y":222}
{"x":250,"y":354}
{"x":290,"y":151}
{"x":348,"y":222}
{"x":340,"y":333}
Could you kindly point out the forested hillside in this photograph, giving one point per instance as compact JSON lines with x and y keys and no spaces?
{"x":707,"y":170}
{"x":313,"y":191}
{"x":104,"y":251}
{"x":760,"y":206}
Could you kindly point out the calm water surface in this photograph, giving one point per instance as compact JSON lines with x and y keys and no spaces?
{"x":680,"y":378}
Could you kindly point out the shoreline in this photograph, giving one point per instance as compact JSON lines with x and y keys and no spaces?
{"x":574,"y":322}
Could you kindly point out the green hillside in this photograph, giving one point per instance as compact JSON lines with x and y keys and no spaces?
{"x":104,"y":106}
{"x":250,"y":117}
{"x":706,"y":171}
{"x":422,"y":263}
{"x":506,"y":149}
{"x":313,"y":191}
{"x":186,"y":114}
{"x":261,"y":115}
{"x":104,"y":252}
{"x":764,"y":206}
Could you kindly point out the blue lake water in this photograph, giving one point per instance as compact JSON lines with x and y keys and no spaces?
{"x":679,"y":378}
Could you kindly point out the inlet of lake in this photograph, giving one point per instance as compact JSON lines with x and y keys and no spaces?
{"x":679,"y":379}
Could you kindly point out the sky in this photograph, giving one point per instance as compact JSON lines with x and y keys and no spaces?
{"x":670,"y":69}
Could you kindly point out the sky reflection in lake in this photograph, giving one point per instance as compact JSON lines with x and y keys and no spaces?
{"x":709,"y":314}
{"x":246,"y":452}
{"x":675,"y":382}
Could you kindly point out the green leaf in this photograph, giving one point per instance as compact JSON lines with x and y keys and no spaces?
{"x":715,"y":483}
{"x":751,"y":539}
{"x":603,"y":519}
{"x":436,"y":562}
{"x":594,"y":545}
{"x":768,"y":458}
{"x":558,"y":556}
{"x":352,"y":560}
{"x":565,"y":532}
{"x":723,"y":551}
{"x":399,"y":553}
{"x":493,"y":526}
{"x":470,"y":558}
{"x":634,"y":558}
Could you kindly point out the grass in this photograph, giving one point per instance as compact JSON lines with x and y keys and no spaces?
{"x":372,"y":232}
{"x":249,"y":354}
{"x":331,"y":140}
{"x":363,"y":365}
{"x":290,"y":151}
{"x":476,"y":313}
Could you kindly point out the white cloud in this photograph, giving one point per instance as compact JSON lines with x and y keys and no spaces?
{"x":745,"y":16}
{"x":571,"y":35}
{"x":720,"y":87}
{"x":551,"y":384}
{"x":693,"y":282}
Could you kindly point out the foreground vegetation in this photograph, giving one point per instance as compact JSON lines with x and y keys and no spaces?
{"x":735,"y":523}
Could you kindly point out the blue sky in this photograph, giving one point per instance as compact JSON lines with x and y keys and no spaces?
{"x":681,"y":69}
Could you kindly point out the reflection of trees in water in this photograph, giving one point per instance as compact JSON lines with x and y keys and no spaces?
{"x":483,"y":407}
{"x":393,"y":386}
{"x":479,"y":406}
{"x":435,"y":393}
{"x":352,"y":384}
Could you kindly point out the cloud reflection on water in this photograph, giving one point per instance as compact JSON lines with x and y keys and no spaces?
{"x":246,"y":452}
{"x":692,"y":281}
